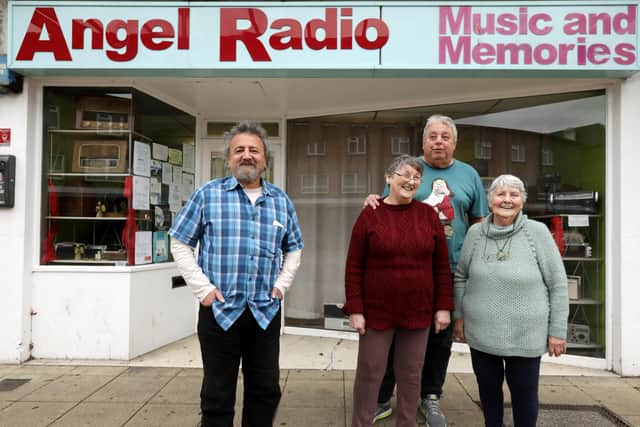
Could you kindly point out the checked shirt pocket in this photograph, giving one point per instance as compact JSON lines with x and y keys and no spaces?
{"x":270,"y":238}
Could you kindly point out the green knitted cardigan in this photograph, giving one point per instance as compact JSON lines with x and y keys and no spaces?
{"x":511,"y":306}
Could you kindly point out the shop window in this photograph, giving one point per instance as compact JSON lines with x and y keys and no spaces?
{"x":357,"y":145}
{"x":568,"y":197}
{"x":483,"y":150}
{"x":547,"y":156}
{"x":518,"y":153}
{"x":354,"y":183}
{"x":400,"y":145}
{"x":314,"y":184}
{"x":316,"y":149}
{"x":111,"y":188}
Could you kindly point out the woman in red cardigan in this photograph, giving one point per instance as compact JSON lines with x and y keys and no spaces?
{"x":397,"y":282}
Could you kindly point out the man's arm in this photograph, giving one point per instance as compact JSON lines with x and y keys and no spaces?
{"x":198,"y":282}
{"x":290,"y":266}
{"x":475,"y":220}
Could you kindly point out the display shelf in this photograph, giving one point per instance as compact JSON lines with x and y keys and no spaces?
{"x":87,"y":174}
{"x":89,"y":261}
{"x":583,"y":346}
{"x":581,"y":259}
{"x":585,"y":301}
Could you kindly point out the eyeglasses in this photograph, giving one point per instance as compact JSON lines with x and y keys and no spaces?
{"x":408,"y":178}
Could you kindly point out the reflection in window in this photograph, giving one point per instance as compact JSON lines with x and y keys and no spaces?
{"x":316,"y":149}
{"x":536,"y":138}
{"x":483,"y":150}
{"x":357,"y":145}
{"x":354,"y":183}
{"x":518,"y":154}
{"x":400,"y":145}
{"x":315,"y":184}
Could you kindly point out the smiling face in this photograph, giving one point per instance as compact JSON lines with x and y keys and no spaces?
{"x":403,"y":184}
{"x":247,"y":159}
{"x":506,"y":204}
{"x":438,"y":145}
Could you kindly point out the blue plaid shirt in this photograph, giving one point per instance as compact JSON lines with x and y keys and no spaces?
{"x":241,"y":245}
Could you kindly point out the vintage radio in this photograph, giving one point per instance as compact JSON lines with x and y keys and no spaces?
{"x":100,"y":156}
{"x":578,"y":333}
{"x":576,"y":202}
{"x":102,"y":112}
{"x":334,"y":318}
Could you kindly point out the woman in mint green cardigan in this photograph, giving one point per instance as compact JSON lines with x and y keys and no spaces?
{"x":511,"y":302}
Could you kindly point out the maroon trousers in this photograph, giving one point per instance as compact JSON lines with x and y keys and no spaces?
{"x":373,"y":350}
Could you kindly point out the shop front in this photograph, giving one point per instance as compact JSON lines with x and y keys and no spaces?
{"x":124,"y":108}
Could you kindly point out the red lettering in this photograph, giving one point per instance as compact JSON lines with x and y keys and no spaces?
{"x":129,"y":42}
{"x":279,"y":41}
{"x":382,"y":34}
{"x":78,"y":27}
{"x":148,"y":35}
{"x":330,"y":28}
{"x":346,"y":28}
{"x":230,"y":34}
{"x":450,"y":24}
{"x":448,"y":54}
{"x":183,"y":28}
{"x":44,"y":18}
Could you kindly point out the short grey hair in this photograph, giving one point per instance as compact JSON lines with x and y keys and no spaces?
{"x":252,"y":128}
{"x":507,"y":181}
{"x":401,"y":161}
{"x":445,"y":120}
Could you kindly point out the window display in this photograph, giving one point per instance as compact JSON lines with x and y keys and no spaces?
{"x":110,"y":187}
{"x":538,"y":138}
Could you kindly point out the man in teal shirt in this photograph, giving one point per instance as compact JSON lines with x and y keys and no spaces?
{"x":455,"y":191}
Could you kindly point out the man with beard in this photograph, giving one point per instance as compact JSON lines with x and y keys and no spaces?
{"x":250,"y":247}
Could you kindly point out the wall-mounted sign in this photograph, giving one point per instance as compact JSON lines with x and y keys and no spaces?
{"x":383,"y":36}
{"x":5,"y":136}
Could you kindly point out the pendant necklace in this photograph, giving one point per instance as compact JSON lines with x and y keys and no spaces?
{"x":501,"y":254}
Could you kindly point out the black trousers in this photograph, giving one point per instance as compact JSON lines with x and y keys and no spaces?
{"x":522,"y":373}
{"x":222,"y":351}
{"x":434,"y":371}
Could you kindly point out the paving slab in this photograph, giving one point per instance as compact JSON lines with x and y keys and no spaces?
{"x":138,"y":371}
{"x":191,"y":372}
{"x":113,"y":371}
{"x":555,"y":380}
{"x":35,"y":382}
{"x":68,"y":388}
{"x":633,"y":420}
{"x":5,"y":404}
{"x":101,"y":414}
{"x":316,"y":417}
{"x":43,"y":370}
{"x":166,"y":415}
{"x":132,"y":388}
{"x":323,"y":394}
{"x":456,"y":398}
{"x":33,"y":414}
{"x":180,"y":390}
{"x":7,"y":370}
{"x":621,"y":401}
{"x":564,"y":395}
{"x":314,"y":375}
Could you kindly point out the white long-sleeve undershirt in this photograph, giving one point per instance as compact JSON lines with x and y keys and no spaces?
{"x":199,"y":283}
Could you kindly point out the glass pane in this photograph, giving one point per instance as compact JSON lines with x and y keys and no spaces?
{"x":335,"y":161}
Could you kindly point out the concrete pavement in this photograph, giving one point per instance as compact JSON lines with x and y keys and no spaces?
{"x":136,"y":393}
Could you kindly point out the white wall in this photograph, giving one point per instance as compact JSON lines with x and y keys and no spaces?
{"x":93,"y":313}
{"x":15,"y":256}
{"x":625,"y":214}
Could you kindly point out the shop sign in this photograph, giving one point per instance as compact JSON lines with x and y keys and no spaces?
{"x":317,"y":36}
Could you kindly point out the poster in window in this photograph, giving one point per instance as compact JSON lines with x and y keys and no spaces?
{"x":160,"y":246}
{"x":143,"y":247}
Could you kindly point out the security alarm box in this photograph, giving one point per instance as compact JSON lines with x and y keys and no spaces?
{"x":7,"y":180}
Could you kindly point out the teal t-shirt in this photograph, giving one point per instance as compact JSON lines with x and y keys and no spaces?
{"x":456,"y":193}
